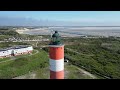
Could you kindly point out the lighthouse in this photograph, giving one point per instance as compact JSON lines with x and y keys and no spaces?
{"x":56,"y":57}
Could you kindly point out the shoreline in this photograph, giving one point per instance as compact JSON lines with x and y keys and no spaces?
{"x":72,"y":32}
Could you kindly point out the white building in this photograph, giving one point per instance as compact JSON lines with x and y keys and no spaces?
{"x":4,"y":53}
{"x":16,"y":50}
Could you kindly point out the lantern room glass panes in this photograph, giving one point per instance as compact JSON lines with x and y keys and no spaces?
{"x":56,"y":40}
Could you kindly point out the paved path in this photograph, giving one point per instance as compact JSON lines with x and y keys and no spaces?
{"x":87,"y":73}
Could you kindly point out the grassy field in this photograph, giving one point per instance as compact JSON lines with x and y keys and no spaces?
{"x":4,"y":59}
{"x":23,"y":65}
{"x":73,"y":72}
{"x":98,"y":56}
{"x":41,"y":73}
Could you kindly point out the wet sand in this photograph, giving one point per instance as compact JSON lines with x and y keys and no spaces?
{"x":73,"y":32}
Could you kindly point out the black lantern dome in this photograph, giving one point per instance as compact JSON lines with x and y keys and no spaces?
{"x":56,"y":39}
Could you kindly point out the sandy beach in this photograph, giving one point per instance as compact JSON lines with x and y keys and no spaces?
{"x":22,"y":31}
{"x":74,"y":32}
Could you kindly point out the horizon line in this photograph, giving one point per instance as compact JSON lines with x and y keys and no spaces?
{"x":56,"y":26}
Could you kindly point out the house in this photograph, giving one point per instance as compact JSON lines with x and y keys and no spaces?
{"x":15,"y":50}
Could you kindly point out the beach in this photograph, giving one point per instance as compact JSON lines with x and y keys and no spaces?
{"x":74,"y":31}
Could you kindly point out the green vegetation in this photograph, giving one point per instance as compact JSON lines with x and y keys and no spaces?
{"x":6,"y":27}
{"x":100,"y":56}
{"x":95,"y":56}
{"x":72,"y":72}
{"x":23,"y":65}
{"x":45,"y":36}
{"x":30,"y":37}
{"x":11,"y":67}
{"x":5,"y":34}
{"x":9,"y":32}
{"x":3,"y":37}
{"x":4,"y":59}
{"x":9,"y":44}
{"x":37,"y":74}
{"x":43,"y":73}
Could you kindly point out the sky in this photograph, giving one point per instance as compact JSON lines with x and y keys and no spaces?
{"x":60,"y":18}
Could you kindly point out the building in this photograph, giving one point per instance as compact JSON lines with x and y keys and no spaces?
{"x":15,"y":50}
{"x":4,"y":53}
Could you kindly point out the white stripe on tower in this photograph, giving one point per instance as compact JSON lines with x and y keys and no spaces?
{"x":56,"y":65}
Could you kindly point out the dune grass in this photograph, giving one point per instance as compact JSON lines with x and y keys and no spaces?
{"x":23,"y":65}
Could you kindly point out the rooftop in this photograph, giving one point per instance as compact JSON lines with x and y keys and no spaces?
{"x":15,"y":47}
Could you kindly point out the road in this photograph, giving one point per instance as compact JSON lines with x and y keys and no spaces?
{"x":87,"y":73}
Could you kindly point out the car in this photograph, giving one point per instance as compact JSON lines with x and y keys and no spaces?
{"x":65,"y":60}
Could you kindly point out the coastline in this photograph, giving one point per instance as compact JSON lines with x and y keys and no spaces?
{"x":72,"y":32}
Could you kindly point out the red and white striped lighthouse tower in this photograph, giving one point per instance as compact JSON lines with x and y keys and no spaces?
{"x":56,"y":55}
